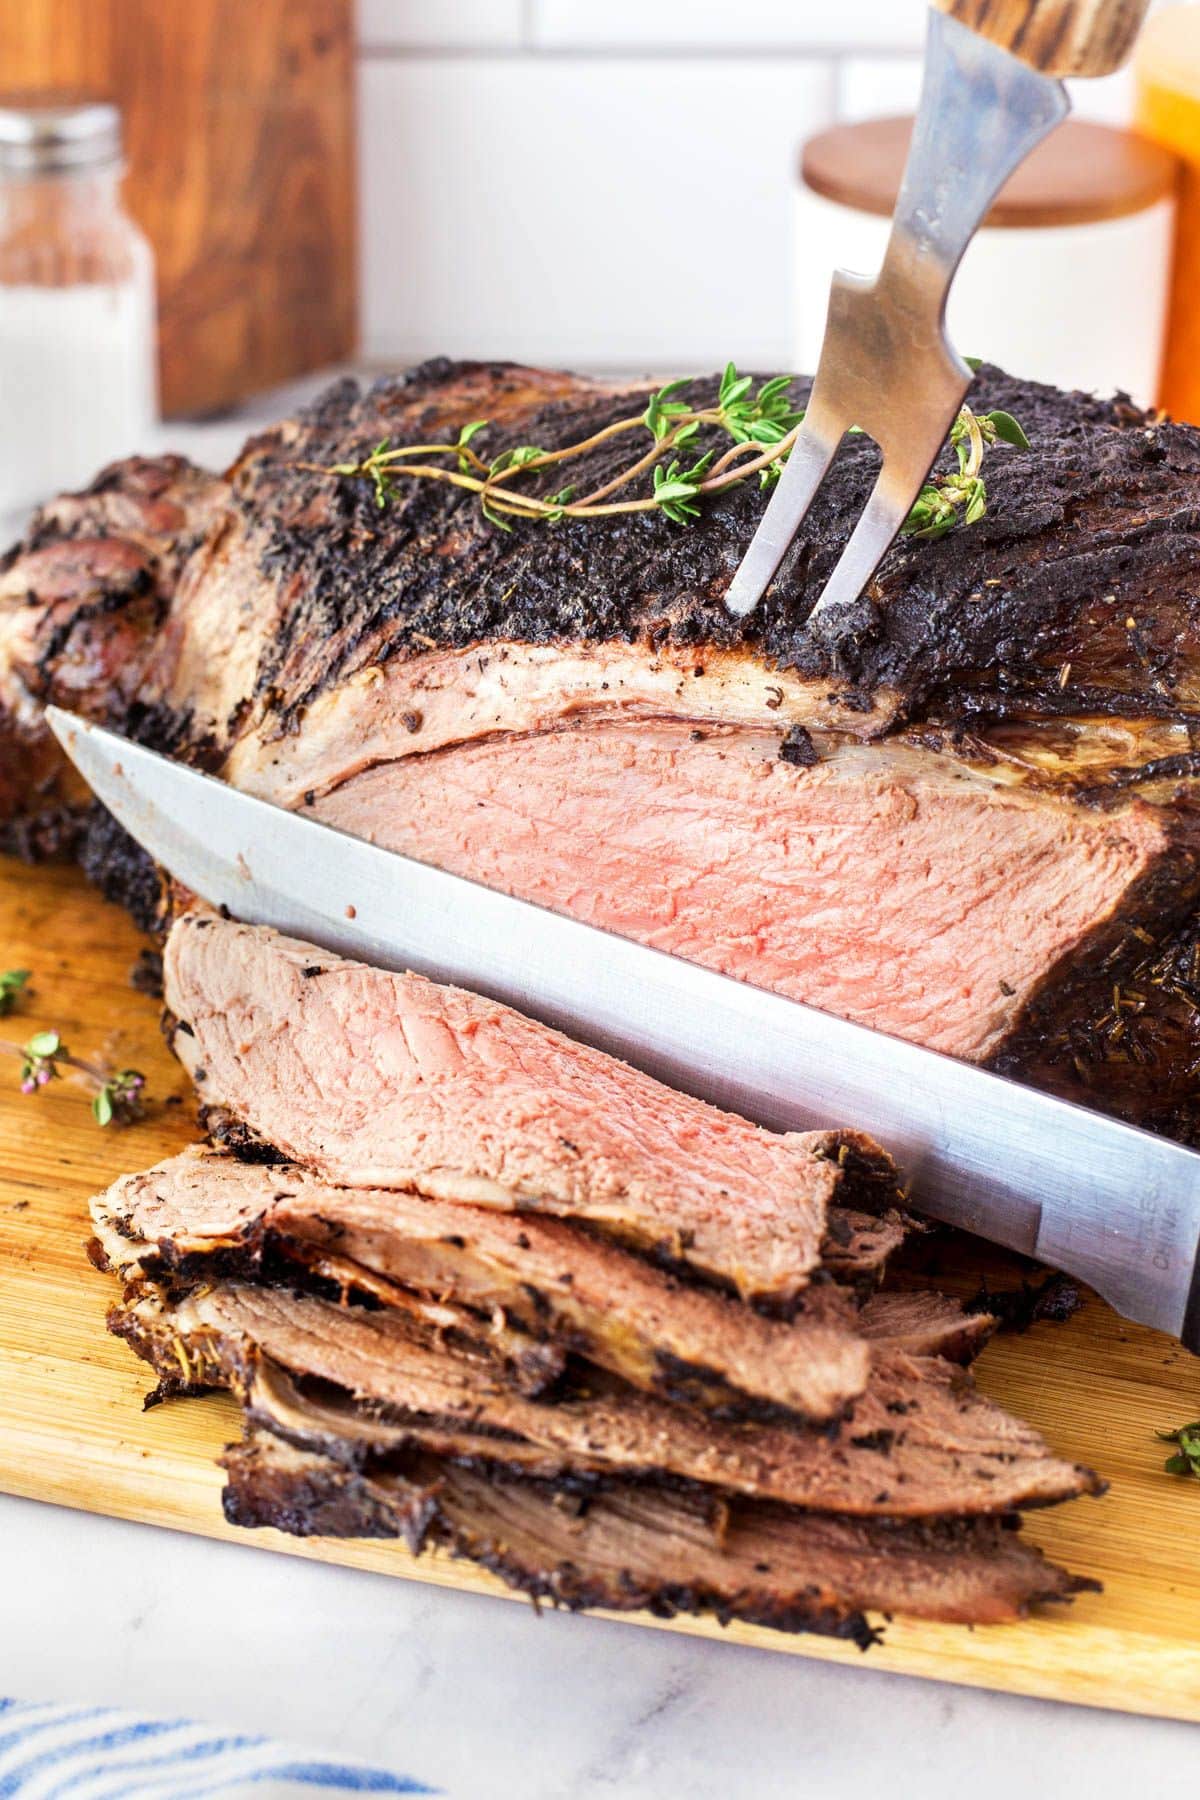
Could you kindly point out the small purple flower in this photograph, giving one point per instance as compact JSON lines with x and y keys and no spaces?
{"x":41,"y":1056}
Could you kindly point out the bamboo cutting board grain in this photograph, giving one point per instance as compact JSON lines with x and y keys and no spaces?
{"x":72,"y":1429}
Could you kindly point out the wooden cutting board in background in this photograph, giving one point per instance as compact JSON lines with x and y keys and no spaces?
{"x":239,"y":126}
{"x":72,"y":1429}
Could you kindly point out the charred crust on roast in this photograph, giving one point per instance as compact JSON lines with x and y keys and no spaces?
{"x":45,"y":834}
{"x":798,"y":748}
{"x":266,"y":1483}
{"x":1056,"y":1298}
{"x":881,"y":1441}
{"x":695,"y":1384}
{"x":121,"y":869}
{"x":225,"y":1130}
{"x":926,"y":621}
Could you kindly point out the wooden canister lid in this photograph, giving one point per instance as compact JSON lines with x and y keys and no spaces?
{"x":1079,"y":174}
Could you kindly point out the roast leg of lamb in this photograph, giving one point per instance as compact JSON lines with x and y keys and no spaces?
{"x":961,"y":810}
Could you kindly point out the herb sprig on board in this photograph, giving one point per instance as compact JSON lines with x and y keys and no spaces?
{"x":1186,"y":1459}
{"x":117,"y":1096}
{"x":761,"y":426}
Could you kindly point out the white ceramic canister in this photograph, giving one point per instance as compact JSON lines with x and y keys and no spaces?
{"x":77,"y":317}
{"x":1066,"y":281}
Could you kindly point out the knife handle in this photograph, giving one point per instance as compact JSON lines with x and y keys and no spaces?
{"x":1058,"y":37}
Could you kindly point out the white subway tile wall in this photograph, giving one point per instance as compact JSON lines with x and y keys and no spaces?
{"x":870,"y":87}
{"x":608,"y":183}
{"x":579,"y":212}
{"x":441,"y":24}
{"x":693,"y":25}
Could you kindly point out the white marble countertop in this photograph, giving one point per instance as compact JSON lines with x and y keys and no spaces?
{"x":481,"y":1697}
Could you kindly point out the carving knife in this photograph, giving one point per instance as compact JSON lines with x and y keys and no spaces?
{"x":1113,"y":1205}
{"x":991,"y":93}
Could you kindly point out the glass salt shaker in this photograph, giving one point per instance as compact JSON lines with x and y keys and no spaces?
{"x":78,"y":383}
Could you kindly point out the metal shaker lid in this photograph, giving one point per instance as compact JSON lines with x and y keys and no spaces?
{"x":45,"y":134}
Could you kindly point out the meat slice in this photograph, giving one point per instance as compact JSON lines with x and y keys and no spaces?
{"x":858,"y":1245}
{"x":920,"y":1442}
{"x":382,"y":1080}
{"x":602,"y":821}
{"x":636,"y":1548}
{"x":553,"y":1280}
{"x":925,"y":1324}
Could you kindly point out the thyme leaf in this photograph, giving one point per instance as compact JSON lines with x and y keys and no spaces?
{"x":1007,"y":429}
{"x":677,"y":490}
{"x":40,"y":1059}
{"x":662,"y":408}
{"x":558,"y":504}
{"x":492,"y":516}
{"x":463,"y":441}
{"x":764,"y":418}
{"x":519,"y":458}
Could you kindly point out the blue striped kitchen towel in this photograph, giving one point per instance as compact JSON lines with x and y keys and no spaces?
{"x":64,"y":1752}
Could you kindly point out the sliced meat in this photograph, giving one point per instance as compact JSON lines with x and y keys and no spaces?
{"x":531,"y":1365}
{"x":315,"y":1414}
{"x":920,"y":1442}
{"x":553,"y":1280}
{"x":634,"y":1548}
{"x":925,"y":1324}
{"x":602,"y":821}
{"x":858,"y":1245}
{"x":382,"y":1080}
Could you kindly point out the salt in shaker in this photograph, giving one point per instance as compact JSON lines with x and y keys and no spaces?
{"x":77,"y":319}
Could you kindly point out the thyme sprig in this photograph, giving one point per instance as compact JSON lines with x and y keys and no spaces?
{"x":761,"y":425}
{"x":118,"y":1096}
{"x":960,"y":497}
{"x":12,"y":985}
{"x":1186,"y":1459}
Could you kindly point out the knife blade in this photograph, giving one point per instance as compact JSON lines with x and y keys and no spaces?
{"x":1109,"y":1203}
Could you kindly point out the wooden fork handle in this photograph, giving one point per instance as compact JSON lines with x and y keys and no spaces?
{"x":1059,"y":37}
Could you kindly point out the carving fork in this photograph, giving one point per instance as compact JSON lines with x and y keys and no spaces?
{"x":992,"y":91}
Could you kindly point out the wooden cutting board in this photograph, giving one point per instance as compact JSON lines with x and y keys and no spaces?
{"x":72,"y":1429}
